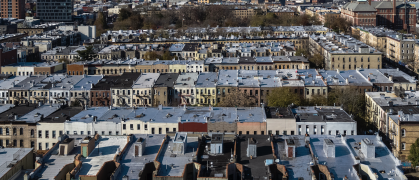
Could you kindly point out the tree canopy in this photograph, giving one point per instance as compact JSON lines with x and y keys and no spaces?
{"x":86,"y":55}
{"x":414,"y":153}
{"x":282,"y":97}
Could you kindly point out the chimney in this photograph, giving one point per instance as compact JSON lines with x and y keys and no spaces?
{"x":369,"y":2}
{"x":394,"y":13}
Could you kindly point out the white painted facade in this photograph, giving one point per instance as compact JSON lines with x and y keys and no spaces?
{"x":54,"y":130}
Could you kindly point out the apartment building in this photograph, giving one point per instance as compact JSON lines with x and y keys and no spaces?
{"x":344,"y":52}
{"x":80,"y":91}
{"x":164,"y":89}
{"x":51,"y":127}
{"x":400,"y":48}
{"x":373,"y":36}
{"x":402,"y":121}
{"x":20,"y":92}
{"x":323,"y":120}
{"x":18,"y":124}
{"x":205,"y":85}
{"x":6,"y":84}
{"x":13,"y":9}
{"x":32,"y":68}
{"x":184,"y":89}
{"x":54,"y":11}
{"x":122,"y":91}
{"x":143,"y":89}
{"x":100,"y":93}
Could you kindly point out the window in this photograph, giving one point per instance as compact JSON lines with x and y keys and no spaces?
{"x":352,"y":132}
{"x":110,"y":132}
{"x":247,"y":132}
{"x":138,"y":126}
{"x":103,"y":132}
{"x":39,"y":134}
{"x":403,"y":146}
{"x":284,"y":133}
{"x":124,"y":126}
{"x":131,"y":126}
{"x":403,"y":132}
{"x":337,"y":132}
{"x":330,"y":132}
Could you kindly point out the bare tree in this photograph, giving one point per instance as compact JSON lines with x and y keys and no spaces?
{"x":237,"y":98}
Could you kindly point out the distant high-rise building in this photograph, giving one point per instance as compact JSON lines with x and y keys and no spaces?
{"x":13,"y":9}
{"x":54,"y":10}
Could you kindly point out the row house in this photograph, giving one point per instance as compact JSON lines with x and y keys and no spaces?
{"x":32,"y":68}
{"x":257,"y":63}
{"x":18,"y":124}
{"x":117,"y":67}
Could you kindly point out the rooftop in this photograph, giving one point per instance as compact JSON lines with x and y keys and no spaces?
{"x":105,"y":150}
{"x":86,"y":82}
{"x":28,"y":83}
{"x":255,"y":166}
{"x":146,"y":80}
{"x":62,"y":115}
{"x":186,"y":80}
{"x":297,"y":167}
{"x":321,"y":114}
{"x":132,"y":165}
{"x":166,"y":80}
{"x":207,"y":79}
{"x":343,"y":44}
{"x":278,"y":113}
{"x":10,"y":156}
{"x":10,"y":82}
{"x":174,"y":164}
{"x":55,"y":162}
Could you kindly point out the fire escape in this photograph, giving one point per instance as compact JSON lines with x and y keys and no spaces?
{"x":142,"y":97}
{"x":183,"y":98}
{"x":121,"y":100}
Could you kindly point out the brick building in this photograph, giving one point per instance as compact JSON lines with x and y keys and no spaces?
{"x":13,"y":9}
{"x":390,"y":14}
{"x":101,"y":92}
